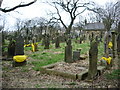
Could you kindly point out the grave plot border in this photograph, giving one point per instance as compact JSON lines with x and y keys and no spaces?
{"x":81,"y":76}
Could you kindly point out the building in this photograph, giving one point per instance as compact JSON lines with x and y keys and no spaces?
{"x":94,"y":27}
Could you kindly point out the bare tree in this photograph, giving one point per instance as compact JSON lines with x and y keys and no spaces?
{"x":15,"y":7}
{"x":109,"y":14}
{"x":71,"y":7}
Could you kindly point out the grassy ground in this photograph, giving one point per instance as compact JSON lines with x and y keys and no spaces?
{"x":29,"y":76}
{"x":48,"y":56}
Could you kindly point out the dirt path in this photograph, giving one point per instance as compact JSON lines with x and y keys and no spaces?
{"x":26,"y":77}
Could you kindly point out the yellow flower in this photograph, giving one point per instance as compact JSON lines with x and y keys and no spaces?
{"x":33,"y":47}
{"x":108,"y":60}
{"x":20,"y":58}
{"x":110,"y":45}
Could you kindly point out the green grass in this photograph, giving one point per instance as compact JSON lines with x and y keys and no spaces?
{"x":100,"y":50}
{"x":45,"y":59}
{"x":48,"y":56}
{"x":114,"y":75}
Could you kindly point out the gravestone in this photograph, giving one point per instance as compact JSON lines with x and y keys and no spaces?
{"x":43,"y":40}
{"x":118,"y":51}
{"x":93,"y":54}
{"x":68,"y":52}
{"x":11,"y":49}
{"x":57,"y":43}
{"x":47,"y":41}
{"x":76,"y":55}
{"x":106,"y":41}
{"x":113,"y":42}
{"x":19,"y":50}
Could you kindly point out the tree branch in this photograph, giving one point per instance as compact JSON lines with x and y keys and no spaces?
{"x":18,"y":6}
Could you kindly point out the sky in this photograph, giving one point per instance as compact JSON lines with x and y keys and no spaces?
{"x":38,"y":9}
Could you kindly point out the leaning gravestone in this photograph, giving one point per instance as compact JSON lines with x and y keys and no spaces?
{"x":19,"y":50}
{"x":93,"y":53}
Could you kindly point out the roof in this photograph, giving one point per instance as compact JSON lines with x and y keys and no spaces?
{"x":94,"y":26}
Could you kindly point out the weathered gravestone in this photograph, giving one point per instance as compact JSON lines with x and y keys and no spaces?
{"x":47,"y":41}
{"x":106,"y":35}
{"x":68,"y":52}
{"x":57,"y":43}
{"x":118,"y":51}
{"x":76,"y":55}
{"x":118,"y":44}
{"x":11,"y":49}
{"x":113,"y":42}
{"x":93,"y":54}
{"x":19,"y":50}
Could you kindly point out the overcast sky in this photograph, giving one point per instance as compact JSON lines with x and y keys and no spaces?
{"x":37,"y":9}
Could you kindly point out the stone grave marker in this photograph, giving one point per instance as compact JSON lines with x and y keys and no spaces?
{"x":19,"y":50}
{"x":76,"y":55}
{"x":11,"y":49}
{"x":68,"y":52}
{"x":118,"y":44}
{"x":113,"y":42}
{"x":47,"y":41}
{"x":93,"y":54}
{"x":57,"y":43}
{"x":118,"y":50}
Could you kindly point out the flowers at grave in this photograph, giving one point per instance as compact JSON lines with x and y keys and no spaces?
{"x":27,"y":45}
{"x":110,"y":45}
{"x":36,"y":43}
{"x":108,"y":60}
{"x":33,"y":47}
{"x":20,"y":58}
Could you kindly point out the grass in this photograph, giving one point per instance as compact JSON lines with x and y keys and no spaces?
{"x":49,"y":56}
{"x":115,"y":74}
